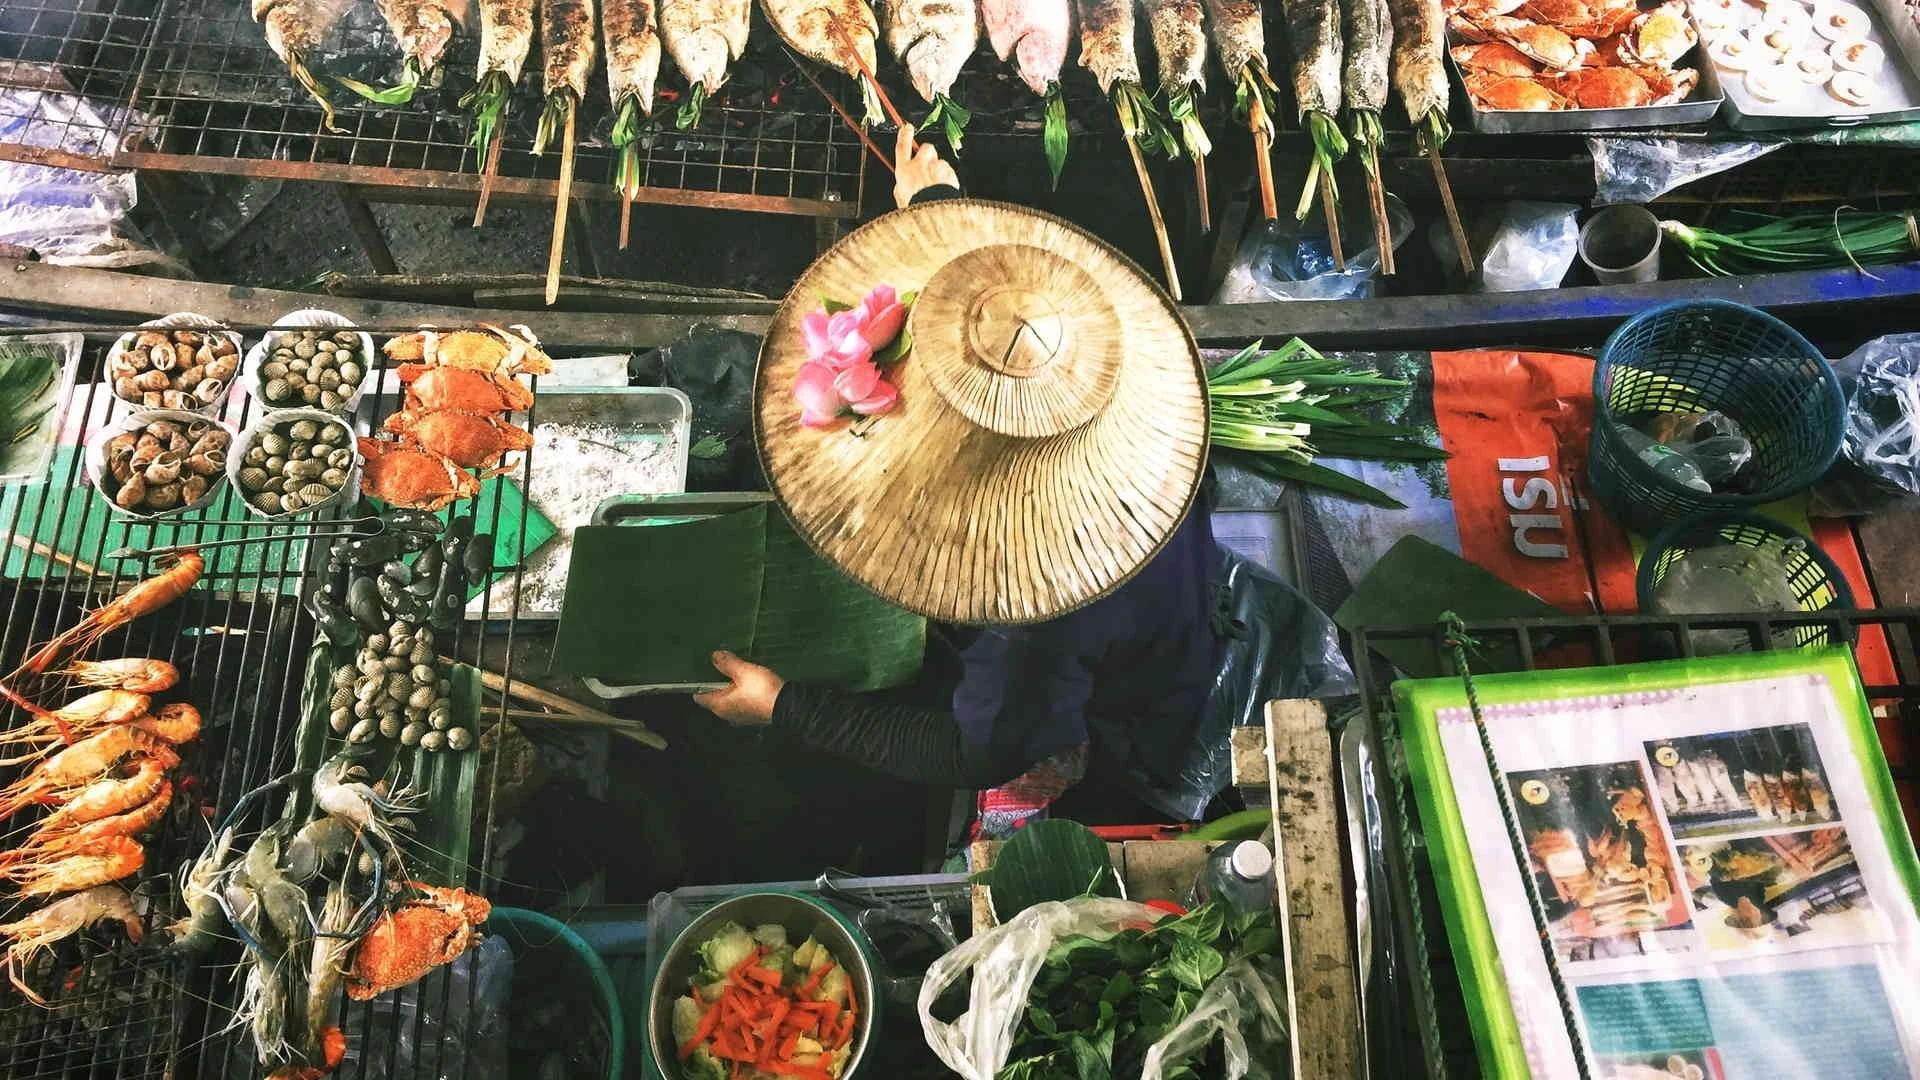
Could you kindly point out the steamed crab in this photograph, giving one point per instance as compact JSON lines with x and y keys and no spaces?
{"x":414,"y":939}
{"x":471,"y":440}
{"x":489,"y":349}
{"x":412,"y":477}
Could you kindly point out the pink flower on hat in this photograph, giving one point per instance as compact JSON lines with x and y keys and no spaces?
{"x":840,"y":375}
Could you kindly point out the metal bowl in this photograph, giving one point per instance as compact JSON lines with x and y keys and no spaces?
{"x":803,"y":917}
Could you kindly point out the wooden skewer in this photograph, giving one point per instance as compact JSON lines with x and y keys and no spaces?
{"x":1159,"y":222}
{"x":1200,"y":185}
{"x":1382,"y":225}
{"x":1332,"y":210}
{"x":1453,"y":212}
{"x":534,"y":716}
{"x":1263,"y":162}
{"x":488,"y":172}
{"x":526,"y":691}
{"x":845,"y":116}
{"x":626,"y":218}
{"x":886,"y":103}
{"x":558,"y":249}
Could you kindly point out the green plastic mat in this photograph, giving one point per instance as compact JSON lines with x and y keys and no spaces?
{"x":648,"y":605}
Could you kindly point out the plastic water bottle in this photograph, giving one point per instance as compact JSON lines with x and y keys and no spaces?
{"x":1237,"y":875}
{"x":1671,"y":463}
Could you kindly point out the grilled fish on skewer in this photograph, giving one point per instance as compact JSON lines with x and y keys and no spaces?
{"x":1180,"y":42}
{"x":1239,"y":37}
{"x":506,"y":37}
{"x":1033,"y":35}
{"x":1419,"y":74}
{"x":567,"y":44}
{"x":1313,"y":32}
{"x":424,"y":29}
{"x":823,"y":31}
{"x":932,"y":40}
{"x":703,"y":37}
{"x":294,"y":29}
{"x":633,"y":63}
{"x":1369,"y":30}
{"x":1107,"y":50}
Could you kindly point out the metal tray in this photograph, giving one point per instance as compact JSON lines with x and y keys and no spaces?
{"x":1894,"y":31}
{"x":1698,"y":108}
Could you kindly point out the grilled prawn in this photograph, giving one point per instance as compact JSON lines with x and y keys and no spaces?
{"x":138,"y":674}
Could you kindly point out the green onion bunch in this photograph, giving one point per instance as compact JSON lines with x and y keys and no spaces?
{"x":1275,"y":412}
{"x":1762,"y":243}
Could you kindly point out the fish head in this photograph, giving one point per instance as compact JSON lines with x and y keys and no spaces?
{"x":1038,"y":58}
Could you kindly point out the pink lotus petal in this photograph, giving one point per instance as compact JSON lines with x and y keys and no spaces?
{"x":853,"y":351}
{"x":884,"y":397}
{"x":883,"y":325}
{"x":818,"y":420}
{"x":856,"y":381}
{"x":813,"y":331}
{"x":881,"y":297}
{"x":813,"y":388}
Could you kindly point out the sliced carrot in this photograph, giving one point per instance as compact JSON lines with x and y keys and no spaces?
{"x":769,"y":1030}
{"x":808,"y":988}
{"x":846,"y":1029}
{"x":787,"y":1045}
{"x":707,"y":1022}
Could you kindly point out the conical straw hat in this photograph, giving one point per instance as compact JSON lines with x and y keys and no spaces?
{"x":1051,"y":427}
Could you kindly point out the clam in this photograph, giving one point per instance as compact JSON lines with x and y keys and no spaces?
{"x":303,"y":430}
{"x":267,"y":502}
{"x":275,"y":391}
{"x":316,"y":494}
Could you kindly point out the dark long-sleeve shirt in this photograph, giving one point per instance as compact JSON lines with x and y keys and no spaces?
{"x":1129,"y":672}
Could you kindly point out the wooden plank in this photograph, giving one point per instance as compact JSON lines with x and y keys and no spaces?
{"x":107,"y":297}
{"x":1322,"y":989}
{"x":1249,"y":756}
{"x":1163,"y":869}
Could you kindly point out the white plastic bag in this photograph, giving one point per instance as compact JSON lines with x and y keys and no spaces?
{"x":1532,"y":249}
{"x":1004,"y":962}
{"x":1243,"y":1009}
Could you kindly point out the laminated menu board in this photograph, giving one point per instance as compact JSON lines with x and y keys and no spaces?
{"x":1729,"y":888}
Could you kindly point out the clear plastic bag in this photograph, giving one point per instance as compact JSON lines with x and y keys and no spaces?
{"x":1637,"y":170}
{"x":452,"y":1023}
{"x":1289,"y":260}
{"x":1880,"y":455}
{"x":1244,"y":1009}
{"x":1532,"y":248}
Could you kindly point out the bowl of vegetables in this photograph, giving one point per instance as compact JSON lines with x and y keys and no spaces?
{"x":775,"y":983}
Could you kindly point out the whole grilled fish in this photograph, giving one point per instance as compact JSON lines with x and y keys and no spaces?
{"x":704,"y":36}
{"x":1106,"y":42}
{"x":633,"y":50}
{"x":506,"y":37}
{"x":1369,"y":42}
{"x":1419,"y":73}
{"x":1313,"y":32}
{"x":932,"y":39}
{"x":424,"y":28}
{"x":1034,"y":34}
{"x":821,"y":30}
{"x":1239,"y":36}
{"x":567,"y":45}
{"x":295,"y":28}
{"x":1180,"y":42}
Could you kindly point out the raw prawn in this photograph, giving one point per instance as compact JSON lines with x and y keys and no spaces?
{"x":138,"y":674}
{"x":57,"y":842}
{"x":114,"y":795}
{"x":60,"y":920}
{"x":175,"y":722}
{"x":148,"y":596}
{"x":340,"y":790}
{"x":82,"y":763}
{"x":204,"y":920}
{"x":75,"y":720}
{"x":98,"y":863}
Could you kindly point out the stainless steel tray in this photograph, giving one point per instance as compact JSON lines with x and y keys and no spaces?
{"x":1894,"y":31}
{"x":1698,"y":108}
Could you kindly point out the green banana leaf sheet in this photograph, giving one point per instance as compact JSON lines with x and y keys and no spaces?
{"x":648,"y":605}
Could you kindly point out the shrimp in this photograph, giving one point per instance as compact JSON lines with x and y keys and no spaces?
{"x":140,"y":675}
{"x":151,"y":595}
{"x":340,"y":791}
{"x":98,"y":863}
{"x":114,"y":795}
{"x":59,"y":920}
{"x":204,"y":919}
{"x":175,"y":722}
{"x":83,"y":762}
{"x":74,"y":720}
{"x":60,"y":841}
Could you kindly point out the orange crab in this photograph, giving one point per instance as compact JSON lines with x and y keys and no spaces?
{"x":1662,"y":35}
{"x":1494,"y":58}
{"x":487,"y":349}
{"x":1605,"y":88}
{"x":409,"y":942}
{"x":463,"y":389}
{"x":470,"y":440}
{"x":412,"y":477}
{"x":1545,"y":45}
{"x":1519,"y":95}
{"x":1579,"y":18}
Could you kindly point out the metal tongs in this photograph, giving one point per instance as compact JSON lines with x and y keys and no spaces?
{"x":359,"y":528}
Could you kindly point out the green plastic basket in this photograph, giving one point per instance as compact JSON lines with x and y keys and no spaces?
{"x":1817,"y":583}
{"x":1711,"y":355}
{"x":533,"y":934}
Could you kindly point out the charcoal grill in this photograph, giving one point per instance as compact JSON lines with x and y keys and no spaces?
{"x":241,"y":639}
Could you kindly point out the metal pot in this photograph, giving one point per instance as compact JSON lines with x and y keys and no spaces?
{"x":803,"y":916}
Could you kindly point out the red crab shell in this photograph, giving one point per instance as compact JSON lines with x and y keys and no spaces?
{"x":407,"y":943}
{"x":470,"y":440}
{"x":409,"y":476}
{"x":459,"y":388}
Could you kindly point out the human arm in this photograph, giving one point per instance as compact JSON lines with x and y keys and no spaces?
{"x":919,"y":173}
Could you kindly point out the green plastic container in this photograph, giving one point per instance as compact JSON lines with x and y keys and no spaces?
{"x":533,"y":934}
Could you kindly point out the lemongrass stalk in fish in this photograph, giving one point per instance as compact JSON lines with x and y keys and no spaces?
{"x":1033,"y":35}
{"x":703,"y":37}
{"x":567,"y":44}
{"x":932,"y":40}
{"x":837,"y":33}
{"x":294,"y":30}
{"x":506,"y":38}
{"x":1313,"y":31}
{"x":424,"y":29}
{"x":1180,"y":42}
{"x":1239,"y":37}
{"x":633,"y":63}
{"x":1107,"y":51}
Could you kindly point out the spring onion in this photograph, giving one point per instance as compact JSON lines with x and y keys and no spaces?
{"x":1815,"y":241}
{"x":1277,"y":411}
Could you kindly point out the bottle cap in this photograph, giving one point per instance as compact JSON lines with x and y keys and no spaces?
{"x":1251,"y":860}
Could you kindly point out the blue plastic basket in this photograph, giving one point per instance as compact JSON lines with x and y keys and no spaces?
{"x":1817,"y":583}
{"x":1711,"y":355}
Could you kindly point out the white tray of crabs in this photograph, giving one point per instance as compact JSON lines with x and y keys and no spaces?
{"x":1788,"y":63}
{"x":1579,"y":65}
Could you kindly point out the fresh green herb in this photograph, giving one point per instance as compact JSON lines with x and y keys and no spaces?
{"x":1364,"y":126}
{"x":1329,"y":146}
{"x":626,"y":139}
{"x":952,"y":119}
{"x":708,"y":448}
{"x":411,"y":79}
{"x":1760,"y":243}
{"x":1054,"y":136}
{"x":553,"y":119}
{"x":1181,"y":110}
{"x":1433,"y":131}
{"x":834,"y":307}
{"x":302,"y":74}
{"x":688,"y":115}
{"x":488,"y":100}
{"x":1140,"y":121}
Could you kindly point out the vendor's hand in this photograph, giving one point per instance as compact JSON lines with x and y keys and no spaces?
{"x":917,"y":168}
{"x":750,"y":698}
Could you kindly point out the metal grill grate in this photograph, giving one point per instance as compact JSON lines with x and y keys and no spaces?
{"x":241,"y":640}
{"x":90,"y":50}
